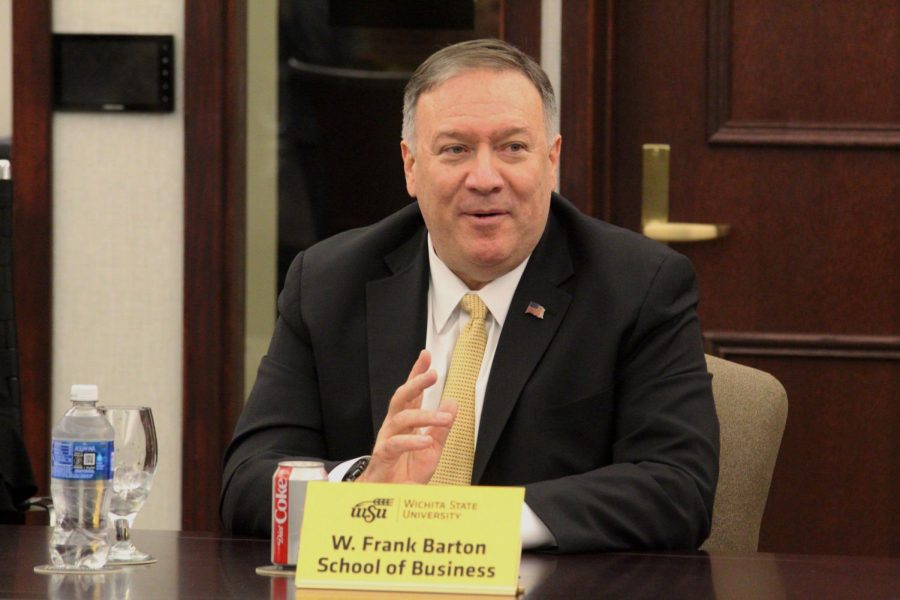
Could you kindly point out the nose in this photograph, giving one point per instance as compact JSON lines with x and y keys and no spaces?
{"x":484,"y":177}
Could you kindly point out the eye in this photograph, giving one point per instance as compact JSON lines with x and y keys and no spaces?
{"x":516,"y":147}
{"x":455,"y":149}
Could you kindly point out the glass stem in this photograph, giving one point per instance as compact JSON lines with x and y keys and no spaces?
{"x":123,"y":531}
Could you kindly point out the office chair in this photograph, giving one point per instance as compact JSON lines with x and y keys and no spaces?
{"x":16,"y":477}
{"x":752,"y":409}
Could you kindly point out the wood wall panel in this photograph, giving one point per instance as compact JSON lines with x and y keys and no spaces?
{"x":520,"y":25}
{"x":214,"y":212}
{"x":576,"y":175}
{"x":585,"y":106}
{"x":813,"y":245}
{"x":804,"y":73}
{"x":32,"y":226}
{"x":828,"y":495}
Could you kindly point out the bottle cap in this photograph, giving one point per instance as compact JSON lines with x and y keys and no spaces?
{"x":84,"y":393}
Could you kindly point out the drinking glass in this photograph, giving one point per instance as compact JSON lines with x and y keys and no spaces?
{"x":133,"y":468}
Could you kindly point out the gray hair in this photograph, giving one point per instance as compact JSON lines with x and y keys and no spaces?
{"x":491,"y":54}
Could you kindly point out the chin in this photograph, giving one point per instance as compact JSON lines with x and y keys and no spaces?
{"x":491,"y":268}
{"x":488,"y":259}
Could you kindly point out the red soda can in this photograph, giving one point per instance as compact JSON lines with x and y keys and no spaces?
{"x":288,"y":496}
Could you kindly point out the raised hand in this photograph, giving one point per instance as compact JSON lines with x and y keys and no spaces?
{"x":410,"y":441}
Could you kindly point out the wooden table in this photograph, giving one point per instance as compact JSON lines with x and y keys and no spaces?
{"x":198,"y":565}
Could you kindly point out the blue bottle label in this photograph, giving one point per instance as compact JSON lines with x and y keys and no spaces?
{"x":81,"y":460}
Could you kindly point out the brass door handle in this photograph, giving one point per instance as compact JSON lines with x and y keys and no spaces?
{"x":684,"y":232}
{"x":655,"y":204}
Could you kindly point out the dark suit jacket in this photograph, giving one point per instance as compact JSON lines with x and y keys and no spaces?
{"x":602,"y":409}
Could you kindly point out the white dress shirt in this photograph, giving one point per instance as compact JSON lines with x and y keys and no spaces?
{"x":445,"y":320}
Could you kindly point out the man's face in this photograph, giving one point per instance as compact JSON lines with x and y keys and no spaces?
{"x":482,"y":171}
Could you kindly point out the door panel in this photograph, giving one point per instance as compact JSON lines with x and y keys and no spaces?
{"x":784,"y":121}
{"x":804,"y":73}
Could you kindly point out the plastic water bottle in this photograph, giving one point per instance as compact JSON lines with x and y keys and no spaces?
{"x":81,"y":483}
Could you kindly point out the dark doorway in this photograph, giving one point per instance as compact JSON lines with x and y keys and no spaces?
{"x":342,"y":69}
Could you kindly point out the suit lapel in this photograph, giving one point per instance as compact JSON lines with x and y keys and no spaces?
{"x":524,"y":338}
{"x":396,"y":312}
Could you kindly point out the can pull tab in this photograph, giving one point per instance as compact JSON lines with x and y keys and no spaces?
{"x":123,"y":533}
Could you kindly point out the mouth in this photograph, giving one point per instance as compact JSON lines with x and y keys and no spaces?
{"x":485,"y":215}
{"x":485,"y":220}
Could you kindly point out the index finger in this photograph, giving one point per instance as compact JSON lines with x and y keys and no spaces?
{"x":409,"y":395}
{"x":421,"y":365}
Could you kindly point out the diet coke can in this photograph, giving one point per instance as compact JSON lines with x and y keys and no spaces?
{"x":288,"y":496}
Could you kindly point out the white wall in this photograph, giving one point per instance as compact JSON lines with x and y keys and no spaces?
{"x":262,"y":183}
{"x":5,"y":68}
{"x":551,"y":45}
{"x":118,"y":248}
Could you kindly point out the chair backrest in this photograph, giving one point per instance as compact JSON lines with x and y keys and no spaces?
{"x":16,"y":476}
{"x":10,"y":408}
{"x":752,"y":409}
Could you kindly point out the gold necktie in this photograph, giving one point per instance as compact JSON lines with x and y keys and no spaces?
{"x":455,"y":465}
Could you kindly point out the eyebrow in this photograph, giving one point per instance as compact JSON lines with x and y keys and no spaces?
{"x":458,"y":134}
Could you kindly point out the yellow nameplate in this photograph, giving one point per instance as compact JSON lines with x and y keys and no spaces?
{"x":404,"y":538}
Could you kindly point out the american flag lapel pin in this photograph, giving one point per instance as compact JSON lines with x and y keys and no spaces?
{"x":535,"y":310}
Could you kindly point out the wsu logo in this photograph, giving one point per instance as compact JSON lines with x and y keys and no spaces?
{"x":369,"y":510}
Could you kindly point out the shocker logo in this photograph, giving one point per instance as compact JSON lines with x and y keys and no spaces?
{"x":370,"y":510}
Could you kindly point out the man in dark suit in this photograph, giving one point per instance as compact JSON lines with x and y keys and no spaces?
{"x":593,"y":392}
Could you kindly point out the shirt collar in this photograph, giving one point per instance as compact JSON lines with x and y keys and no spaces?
{"x":448,"y":289}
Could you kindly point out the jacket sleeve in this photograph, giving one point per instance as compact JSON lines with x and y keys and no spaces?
{"x":282,"y":419}
{"x":658,"y":490}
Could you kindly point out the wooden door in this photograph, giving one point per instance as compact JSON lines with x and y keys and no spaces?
{"x":784,"y":122}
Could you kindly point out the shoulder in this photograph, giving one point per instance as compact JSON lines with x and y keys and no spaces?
{"x":331,"y":276}
{"x":361,"y":252}
{"x":610,"y":250}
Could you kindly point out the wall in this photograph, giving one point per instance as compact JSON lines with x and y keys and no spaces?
{"x":551,"y":45}
{"x":118,"y":248}
{"x":5,"y":68}
{"x":262,"y":183}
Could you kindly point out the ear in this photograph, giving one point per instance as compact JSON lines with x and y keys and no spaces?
{"x":409,"y":161}
{"x":553,"y":157}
